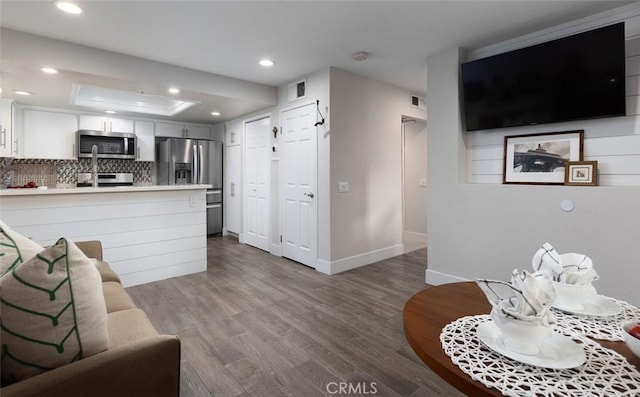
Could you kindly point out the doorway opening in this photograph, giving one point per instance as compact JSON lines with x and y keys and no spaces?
{"x":414,"y":183}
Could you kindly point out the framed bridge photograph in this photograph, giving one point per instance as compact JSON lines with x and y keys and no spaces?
{"x":540,"y":158}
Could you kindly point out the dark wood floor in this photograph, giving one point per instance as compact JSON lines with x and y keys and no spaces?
{"x":258,"y":325}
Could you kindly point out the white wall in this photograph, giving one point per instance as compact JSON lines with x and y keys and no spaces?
{"x":487,"y":230}
{"x":360,"y":142}
{"x":366,"y":152}
{"x":415,"y":168}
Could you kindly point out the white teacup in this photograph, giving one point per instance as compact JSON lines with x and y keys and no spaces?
{"x":524,"y":337}
{"x":571,"y":296}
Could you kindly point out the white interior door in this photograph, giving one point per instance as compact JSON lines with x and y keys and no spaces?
{"x":257,"y":182}
{"x":299,"y":181}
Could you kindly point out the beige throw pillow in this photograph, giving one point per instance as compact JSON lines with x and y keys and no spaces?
{"x":14,"y":248}
{"x":53,"y":312}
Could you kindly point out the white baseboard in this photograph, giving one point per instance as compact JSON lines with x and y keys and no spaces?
{"x":432,"y":277}
{"x":323,"y":266}
{"x":352,"y":262}
{"x":241,"y":238}
{"x":415,"y":237}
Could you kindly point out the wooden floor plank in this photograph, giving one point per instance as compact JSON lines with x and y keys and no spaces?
{"x":255,"y":324}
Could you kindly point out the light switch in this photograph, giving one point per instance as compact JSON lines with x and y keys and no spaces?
{"x":422,"y":182}
{"x":343,"y":187}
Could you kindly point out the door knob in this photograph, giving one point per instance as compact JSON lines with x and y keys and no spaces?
{"x":310,"y":195}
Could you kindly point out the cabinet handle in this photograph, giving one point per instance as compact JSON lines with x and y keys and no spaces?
{"x":4,"y":138}
{"x":111,"y":126}
{"x":73,"y":150}
{"x":104,"y":126}
{"x":17,"y":142}
{"x":233,"y":189}
{"x":138,"y":154}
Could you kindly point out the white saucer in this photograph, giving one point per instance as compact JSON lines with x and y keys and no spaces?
{"x":557,"y":351}
{"x":598,"y":305}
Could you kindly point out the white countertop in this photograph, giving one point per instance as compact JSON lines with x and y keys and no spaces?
{"x":91,"y":190}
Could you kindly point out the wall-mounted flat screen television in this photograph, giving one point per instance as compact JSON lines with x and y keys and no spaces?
{"x":572,"y":78}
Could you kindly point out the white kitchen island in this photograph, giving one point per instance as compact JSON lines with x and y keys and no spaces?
{"x":148,"y":233}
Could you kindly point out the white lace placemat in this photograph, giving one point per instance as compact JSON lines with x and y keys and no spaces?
{"x":605,"y":373}
{"x":605,"y":328}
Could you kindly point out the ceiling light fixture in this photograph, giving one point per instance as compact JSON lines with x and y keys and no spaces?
{"x":110,"y":111}
{"x":127,"y":101}
{"x":68,"y":7}
{"x":48,"y":70}
{"x":173,"y":90}
{"x":20,"y":92}
{"x":216,"y":114}
{"x":267,"y":63}
{"x":360,"y":56}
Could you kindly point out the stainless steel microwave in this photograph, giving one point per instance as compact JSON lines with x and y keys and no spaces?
{"x":111,"y":145}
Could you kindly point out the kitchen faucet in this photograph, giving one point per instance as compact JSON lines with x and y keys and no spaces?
{"x":94,"y":166}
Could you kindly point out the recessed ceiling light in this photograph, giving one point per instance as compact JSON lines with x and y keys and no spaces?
{"x":110,"y":111}
{"x":174,"y":91}
{"x":215,"y":114}
{"x":68,"y":7}
{"x":49,"y":70}
{"x":19,"y":92}
{"x":267,"y":63}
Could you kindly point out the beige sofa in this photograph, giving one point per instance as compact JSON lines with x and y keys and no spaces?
{"x":139,"y":362}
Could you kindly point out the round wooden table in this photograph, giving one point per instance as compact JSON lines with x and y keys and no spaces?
{"x":428,"y":311}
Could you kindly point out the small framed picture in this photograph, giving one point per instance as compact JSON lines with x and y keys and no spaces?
{"x":540,"y":158}
{"x":581,"y":173}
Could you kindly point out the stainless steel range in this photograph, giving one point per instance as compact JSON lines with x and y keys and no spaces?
{"x":106,"y":179}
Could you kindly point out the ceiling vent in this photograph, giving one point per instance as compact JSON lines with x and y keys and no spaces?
{"x":418,"y":102}
{"x":127,"y":101}
{"x":297,"y":90}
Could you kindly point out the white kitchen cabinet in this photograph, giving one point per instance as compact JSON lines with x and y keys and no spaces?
{"x":146,"y":141}
{"x":233,"y":189}
{"x":171,"y":130}
{"x":101,"y":123}
{"x":176,"y":130}
{"x":198,"y":131}
{"x":233,"y":133}
{"x":49,"y":135}
{"x":7,"y":118}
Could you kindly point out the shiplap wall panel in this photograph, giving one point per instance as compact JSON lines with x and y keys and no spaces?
{"x":613,"y":142}
{"x":619,"y":180}
{"x":45,"y":234}
{"x":162,"y":273}
{"x":130,"y":254}
{"x":614,"y":146}
{"x":612,"y":165}
{"x":145,"y":235}
{"x":487,"y":167}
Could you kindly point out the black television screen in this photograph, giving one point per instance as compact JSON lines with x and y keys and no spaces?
{"x":572,"y":78}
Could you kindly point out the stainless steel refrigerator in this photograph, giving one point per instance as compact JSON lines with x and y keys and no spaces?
{"x":196,"y":161}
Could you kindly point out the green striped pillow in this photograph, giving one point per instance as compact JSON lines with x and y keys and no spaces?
{"x":53,"y":312}
{"x":14,"y":248}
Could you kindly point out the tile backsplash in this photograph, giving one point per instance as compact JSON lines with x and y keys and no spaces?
{"x":64,"y":172}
